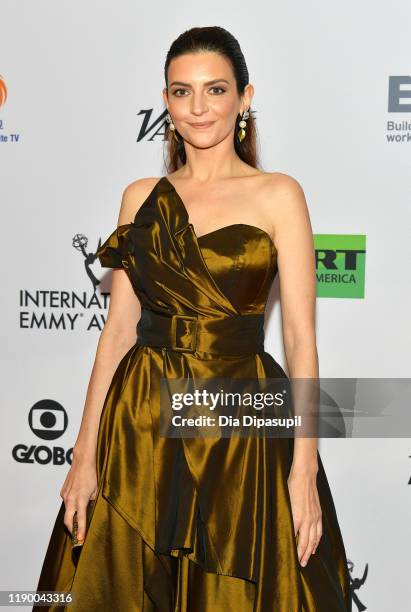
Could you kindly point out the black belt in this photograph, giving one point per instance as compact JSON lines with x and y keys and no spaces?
{"x":226,"y":335}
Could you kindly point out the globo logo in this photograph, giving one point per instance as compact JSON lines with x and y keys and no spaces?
{"x":48,"y":420}
{"x":42,"y":454}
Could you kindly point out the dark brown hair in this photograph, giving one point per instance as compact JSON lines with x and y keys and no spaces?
{"x":218,"y":40}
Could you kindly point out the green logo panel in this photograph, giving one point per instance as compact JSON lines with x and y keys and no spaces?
{"x":340,"y":265}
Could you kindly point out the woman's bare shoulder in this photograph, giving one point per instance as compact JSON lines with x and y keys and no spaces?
{"x":134,"y":195}
{"x":283,"y":202}
{"x":281,"y":182}
{"x":282,"y":191}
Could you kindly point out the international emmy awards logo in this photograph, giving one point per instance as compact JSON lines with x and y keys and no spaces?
{"x":80,"y":242}
{"x":356,"y":583}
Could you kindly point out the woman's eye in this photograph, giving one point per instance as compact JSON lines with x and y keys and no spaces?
{"x":176,"y":92}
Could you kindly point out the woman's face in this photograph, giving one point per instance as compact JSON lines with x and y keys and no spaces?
{"x":202,"y":89}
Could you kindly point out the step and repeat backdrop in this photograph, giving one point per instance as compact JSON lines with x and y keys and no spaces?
{"x":82,"y":116}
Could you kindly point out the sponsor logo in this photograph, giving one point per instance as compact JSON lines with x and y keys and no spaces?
{"x":11,"y":137}
{"x":399,"y":101}
{"x":48,"y":421}
{"x":340,"y":265}
{"x":66,"y":309}
{"x":3,"y":91}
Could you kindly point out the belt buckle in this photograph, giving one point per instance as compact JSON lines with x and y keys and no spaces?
{"x":182,"y":349}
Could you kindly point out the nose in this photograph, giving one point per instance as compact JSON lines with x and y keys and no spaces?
{"x":198,"y":103}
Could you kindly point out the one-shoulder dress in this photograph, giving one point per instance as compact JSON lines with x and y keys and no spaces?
{"x":200,"y":524}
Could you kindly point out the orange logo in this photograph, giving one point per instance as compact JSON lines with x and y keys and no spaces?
{"x":3,"y":91}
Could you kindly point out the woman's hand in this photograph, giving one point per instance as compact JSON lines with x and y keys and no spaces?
{"x":79,"y":487}
{"x":307,"y":514}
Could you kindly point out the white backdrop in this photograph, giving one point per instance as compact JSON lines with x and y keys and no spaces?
{"x":80,"y":78}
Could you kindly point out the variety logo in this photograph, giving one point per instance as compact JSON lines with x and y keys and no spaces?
{"x":157,"y":128}
{"x":340,"y":264}
{"x":48,"y":420}
{"x":66,"y":310}
{"x":399,"y":101}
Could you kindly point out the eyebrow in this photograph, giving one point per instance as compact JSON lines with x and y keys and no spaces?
{"x":207,"y":83}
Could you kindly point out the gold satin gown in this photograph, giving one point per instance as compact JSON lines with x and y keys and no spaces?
{"x":192,"y":524}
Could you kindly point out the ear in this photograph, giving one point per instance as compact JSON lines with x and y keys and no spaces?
{"x":248,"y":96}
{"x":165,"y":96}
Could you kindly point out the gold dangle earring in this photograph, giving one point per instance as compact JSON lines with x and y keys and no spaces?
{"x":241,"y":132}
{"x":171,"y":125}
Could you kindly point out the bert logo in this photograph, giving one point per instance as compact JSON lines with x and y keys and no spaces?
{"x":3,"y":91}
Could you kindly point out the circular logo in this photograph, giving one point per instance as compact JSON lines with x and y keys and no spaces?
{"x":3,"y":91}
{"x":48,"y":419}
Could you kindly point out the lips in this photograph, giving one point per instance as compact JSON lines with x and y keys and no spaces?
{"x":204,"y":124}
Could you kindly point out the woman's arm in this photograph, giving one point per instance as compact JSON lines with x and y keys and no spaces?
{"x":293,"y":240}
{"x":114,"y":342}
{"x":297,"y":275}
{"x":116,"y":338}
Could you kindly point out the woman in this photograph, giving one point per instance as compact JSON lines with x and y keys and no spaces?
{"x":200,"y":523}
